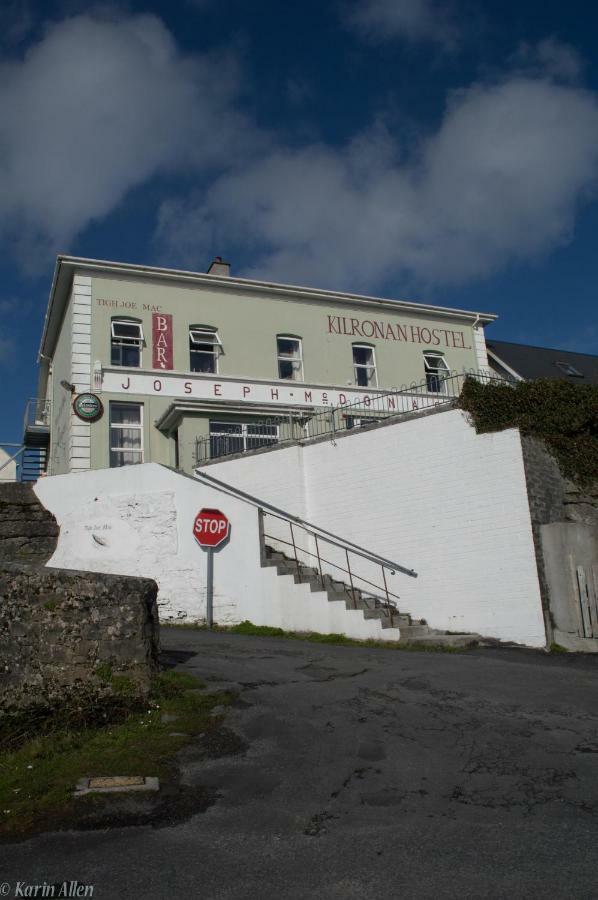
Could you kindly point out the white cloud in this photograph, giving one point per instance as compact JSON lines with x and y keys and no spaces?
{"x":414,"y":20}
{"x":97,"y":107}
{"x":102,"y":105}
{"x":500,"y":180}
{"x":551,"y":58}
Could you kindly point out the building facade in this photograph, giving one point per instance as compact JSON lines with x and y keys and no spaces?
{"x":141,"y":364}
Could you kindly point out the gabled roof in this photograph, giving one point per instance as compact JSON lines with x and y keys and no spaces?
{"x":531,"y":363}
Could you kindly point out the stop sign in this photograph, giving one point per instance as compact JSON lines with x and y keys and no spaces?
{"x":210,"y":528}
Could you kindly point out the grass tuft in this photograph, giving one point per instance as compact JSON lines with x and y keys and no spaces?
{"x":248,"y":628}
{"x":39,"y":769}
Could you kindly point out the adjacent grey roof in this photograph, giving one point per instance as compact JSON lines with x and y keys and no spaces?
{"x":531,"y":363}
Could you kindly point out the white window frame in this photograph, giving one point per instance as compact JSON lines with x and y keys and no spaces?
{"x":373,"y":382}
{"x":244,"y":433}
{"x":440,"y":372}
{"x":140,"y":427}
{"x":282,"y":358}
{"x":120,"y":341}
{"x":203,"y":334}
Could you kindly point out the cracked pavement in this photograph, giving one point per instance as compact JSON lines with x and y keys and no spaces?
{"x":366,"y":773}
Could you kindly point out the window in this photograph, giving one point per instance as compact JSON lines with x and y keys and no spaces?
{"x":237,"y":437}
{"x":359,"y":421}
{"x":364,"y":365}
{"x":290,"y":358}
{"x":437,"y":372}
{"x":568,"y":369}
{"x":126,"y":342}
{"x":126,"y":434}
{"x":204,"y":349}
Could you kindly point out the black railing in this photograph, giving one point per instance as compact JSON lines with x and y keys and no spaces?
{"x":304,"y":539}
{"x":370,"y":409}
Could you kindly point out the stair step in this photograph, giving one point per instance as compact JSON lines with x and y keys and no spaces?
{"x":371,"y":606}
{"x":415,"y":631}
{"x":378,"y":613}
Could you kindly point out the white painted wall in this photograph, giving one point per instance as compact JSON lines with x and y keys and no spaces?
{"x":137,"y":520}
{"x":428,"y":493}
{"x":9,"y":471}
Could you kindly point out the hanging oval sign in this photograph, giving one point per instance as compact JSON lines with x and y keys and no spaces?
{"x":88,"y":407}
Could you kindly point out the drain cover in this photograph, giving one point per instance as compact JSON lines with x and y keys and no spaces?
{"x":116,"y":781}
{"x":112,"y":783}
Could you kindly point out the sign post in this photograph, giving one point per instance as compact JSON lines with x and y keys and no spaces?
{"x":211,"y":528}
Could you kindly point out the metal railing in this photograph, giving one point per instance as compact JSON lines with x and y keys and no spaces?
{"x":13,"y":457}
{"x":37,"y":413}
{"x":369,"y":409}
{"x":304,"y":539}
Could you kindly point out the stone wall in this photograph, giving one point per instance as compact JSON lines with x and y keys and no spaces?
{"x":565,"y":528}
{"x":66,"y":634}
{"x":28,"y":532}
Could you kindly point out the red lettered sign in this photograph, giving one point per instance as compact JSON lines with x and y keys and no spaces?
{"x":210,"y":528}
{"x":162,"y":341}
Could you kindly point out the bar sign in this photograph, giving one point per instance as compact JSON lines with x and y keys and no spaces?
{"x":162,"y":341}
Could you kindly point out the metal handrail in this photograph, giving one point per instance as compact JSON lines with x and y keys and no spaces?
{"x":308,"y":423}
{"x":309,"y":526}
{"x":37,"y":412}
{"x":318,"y":534}
{"x":342,"y":544}
{"x":329,"y":562}
{"x":13,"y":457}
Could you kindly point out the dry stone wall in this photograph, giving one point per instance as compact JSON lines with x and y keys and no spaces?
{"x":66,"y":634}
{"x":28,"y":532}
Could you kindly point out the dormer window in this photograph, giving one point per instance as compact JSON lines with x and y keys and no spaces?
{"x":204,"y":349}
{"x":126,"y":342}
{"x":567,"y":369}
{"x":437,"y":371}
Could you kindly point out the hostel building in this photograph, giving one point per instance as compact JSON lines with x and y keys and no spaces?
{"x":142,"y":364}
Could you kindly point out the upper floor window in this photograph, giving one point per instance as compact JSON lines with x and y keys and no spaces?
{"x":290,"y":358}
{"x":364,"y":365}
{"x":437,"y":371}
{"x":126,"y":341}
{"x":204,"y":349}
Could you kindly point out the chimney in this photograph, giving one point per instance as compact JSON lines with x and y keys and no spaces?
{"x":219,"y":267}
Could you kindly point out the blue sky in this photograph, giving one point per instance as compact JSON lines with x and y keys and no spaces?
{"x":441,"y":152}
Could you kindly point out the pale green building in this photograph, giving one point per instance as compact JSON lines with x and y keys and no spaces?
{"x":144,"y":364}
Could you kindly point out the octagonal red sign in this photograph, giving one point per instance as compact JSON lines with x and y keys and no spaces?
{"x":210,"y":528}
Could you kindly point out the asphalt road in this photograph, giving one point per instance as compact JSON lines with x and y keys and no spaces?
{"x":367,"y":774}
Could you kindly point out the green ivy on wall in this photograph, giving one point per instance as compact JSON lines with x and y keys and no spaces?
{"x":564,"y":415}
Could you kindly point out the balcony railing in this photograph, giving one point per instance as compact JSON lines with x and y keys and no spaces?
{"x":432,"y":392}
{"x":37,"y":413}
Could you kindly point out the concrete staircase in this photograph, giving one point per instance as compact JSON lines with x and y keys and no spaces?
{"x":372,"y":607}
